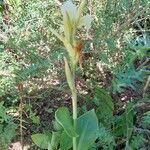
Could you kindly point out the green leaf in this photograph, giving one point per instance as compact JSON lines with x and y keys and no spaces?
{"x":8,"y":132}
{"x":87,"y":128}
{"x":3,"y":114}
{"x":106,"y":138}
{"x":55,"y":140}
{"x":127,"y":77}
{"x":104,"y":99}
{"x":137,"y":141}
{"x":63,"y":117}
{"x":69,"y":75}
{"x":65,"y":141}
{"x":105,"y":107}
{"x":41,"y":140}
{"x":146,"y":119}
{"x":35,"y":119}
{"x":125,"y":123}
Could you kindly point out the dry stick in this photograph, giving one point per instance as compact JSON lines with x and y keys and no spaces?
{"x":147,"y":84}
{"x":144,"y":63}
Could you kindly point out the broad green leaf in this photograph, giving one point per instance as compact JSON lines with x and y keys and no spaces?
{"x":57,"y":126}
{"x":41,"y":140}
{"x":87,"y":128}
{"x":55,"y":140}
{"x":63,"y":117}
{"x":65,"y":141}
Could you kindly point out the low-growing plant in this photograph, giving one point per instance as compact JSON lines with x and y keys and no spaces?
{"x":118,"y":130}
{"x":128,"y":73}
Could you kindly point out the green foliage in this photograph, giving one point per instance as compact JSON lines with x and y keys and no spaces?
{"x":87,"y":131}
{"x":29,"y":46}
{"x":55,"y":140}
{"x":127,"y":78}
{"x":87,"y":128}
{"x":7,"y":133}
{"x":124,"y":123}
{"x":42,"y":140}
{"x":63,"y":117}
{"x":7,"y":127}
{"x":65,"y":141}
{"x":8,"y":65}
{"x":146,"y":118}
{"x":106,"y":138}
{"x":120,"y":44}
{"x":105,"y":106}
{"x":127,"y":74}
{"x":3,"y":116}
{"x":137,"y":141}
{"x":114,"y":126}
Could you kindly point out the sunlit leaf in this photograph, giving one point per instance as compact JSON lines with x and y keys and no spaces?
{"x":55,"y":140}
{"x":63,"y":117}
{"x":88,"y":130}
{"x":65,"y":141}
{"x":41,"y":140}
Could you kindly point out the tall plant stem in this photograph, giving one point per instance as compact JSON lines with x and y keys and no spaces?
{"x":74,"y":108}
{"x":74,"y":105}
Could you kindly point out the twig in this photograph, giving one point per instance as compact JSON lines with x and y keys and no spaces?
{"x":144,"y":63}
{"x":147,"y":84}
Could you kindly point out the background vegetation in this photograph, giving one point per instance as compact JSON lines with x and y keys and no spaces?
{"x":114,"y":79}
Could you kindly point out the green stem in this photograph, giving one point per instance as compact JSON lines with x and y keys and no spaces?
{"x":70,"y":75}
{"x":74,"y":105}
